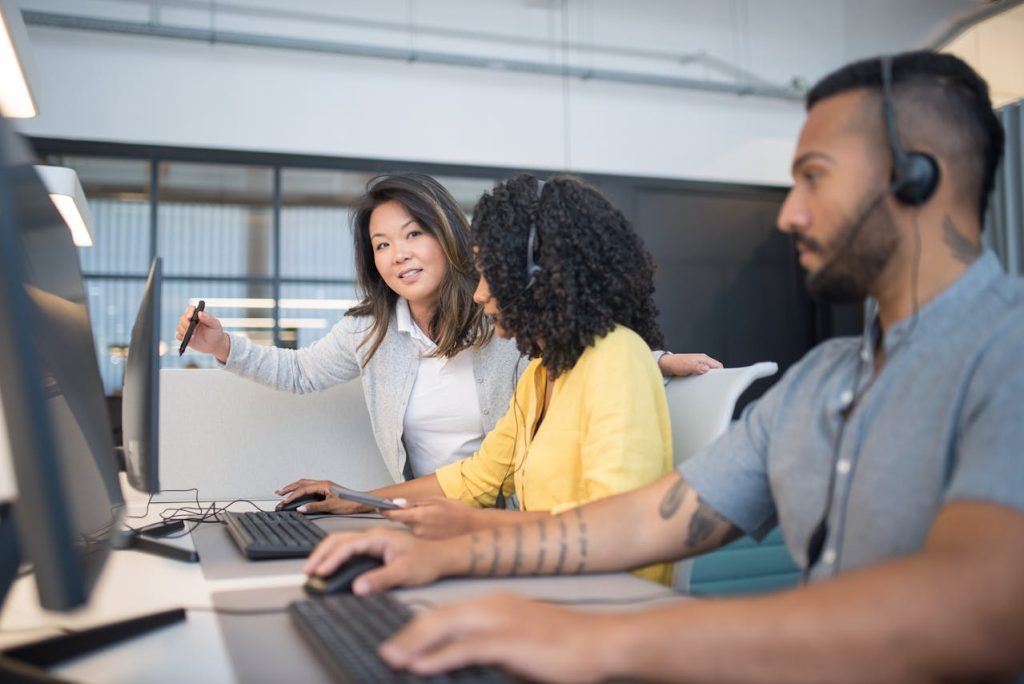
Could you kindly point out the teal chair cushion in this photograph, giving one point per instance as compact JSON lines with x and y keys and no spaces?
{"x":745,"y":567}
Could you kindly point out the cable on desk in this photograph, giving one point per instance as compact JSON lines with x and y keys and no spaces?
{"x":163,"y":491}
{"x":198,"y":514}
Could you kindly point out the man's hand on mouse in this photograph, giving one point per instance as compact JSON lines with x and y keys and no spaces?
{"x":330,"y":504}
{"x":408,"y":561}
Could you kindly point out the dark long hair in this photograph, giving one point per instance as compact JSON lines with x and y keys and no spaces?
{"x":458,"y":322}
{"x":594,"y":271}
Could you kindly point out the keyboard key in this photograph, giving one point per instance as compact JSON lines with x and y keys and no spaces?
{"x":345,"y":631}
{"x":273,"y":534}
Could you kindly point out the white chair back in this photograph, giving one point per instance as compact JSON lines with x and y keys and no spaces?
{"x":701,"y":407}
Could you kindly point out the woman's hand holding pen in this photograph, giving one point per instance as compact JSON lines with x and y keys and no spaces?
{"x":208,"y":337}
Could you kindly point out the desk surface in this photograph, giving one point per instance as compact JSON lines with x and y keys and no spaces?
{"x":211,"y":648}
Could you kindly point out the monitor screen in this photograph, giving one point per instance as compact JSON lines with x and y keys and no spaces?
{"x":68,"y":502}
{"x":140,"y":398}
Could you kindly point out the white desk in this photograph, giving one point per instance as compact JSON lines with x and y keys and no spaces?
{"x":200,"y":650}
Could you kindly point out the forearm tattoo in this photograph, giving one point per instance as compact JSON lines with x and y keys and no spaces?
{"x":564,"y":546}
{"x":495,"y":552}
{"x":474,"y":554}
{"x":542,"y":531}
{"x":583,"y":540}
{"x":963,"y":249}
{"x":517,"y":554}
{"x":673,"y":499}
{"x":705,"y":522}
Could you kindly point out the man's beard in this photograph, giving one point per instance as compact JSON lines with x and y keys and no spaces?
{"x":856,"y":257}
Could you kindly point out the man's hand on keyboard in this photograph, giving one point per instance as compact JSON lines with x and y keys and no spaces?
{"x":540,"y":641}
{"x":408,"y":561}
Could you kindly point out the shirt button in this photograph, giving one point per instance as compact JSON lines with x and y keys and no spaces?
{"x":487,"y":412}
{"x":843,"y":466}
{"x":479,"y":381}
{"x":829,"y":557}
{"x":846,"y":398}
{"x":865,"y":355}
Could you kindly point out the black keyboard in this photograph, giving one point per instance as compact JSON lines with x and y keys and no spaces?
{"x":345,"y":631}
{"x":273,"y":534}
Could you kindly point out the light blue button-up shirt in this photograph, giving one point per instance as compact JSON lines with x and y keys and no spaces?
{"x":942,"y":421}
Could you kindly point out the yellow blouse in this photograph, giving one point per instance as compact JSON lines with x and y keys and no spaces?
{"x":606,"y":431}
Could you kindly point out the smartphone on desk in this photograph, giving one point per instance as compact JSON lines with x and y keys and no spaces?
{"x":377,"y":502}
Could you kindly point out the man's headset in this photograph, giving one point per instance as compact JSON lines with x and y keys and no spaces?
{"x":915,"y":175}
{"x":532,"y":267}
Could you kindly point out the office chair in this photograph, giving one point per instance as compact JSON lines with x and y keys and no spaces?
{"x":701,"y":407}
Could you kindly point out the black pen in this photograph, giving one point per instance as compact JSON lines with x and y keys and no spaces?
{"x":193,"y":322}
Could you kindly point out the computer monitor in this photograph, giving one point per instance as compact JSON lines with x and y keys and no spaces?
{"x":67,"y":506}
{"x":140,"y":398}
{"x":69,"y":502}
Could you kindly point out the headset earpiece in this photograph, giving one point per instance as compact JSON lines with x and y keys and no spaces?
{"x":915,"y":175}
{"x":532,"y":268}
{"x":914,"y":180}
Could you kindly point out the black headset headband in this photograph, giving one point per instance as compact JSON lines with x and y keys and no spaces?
{"x":915,"y":175}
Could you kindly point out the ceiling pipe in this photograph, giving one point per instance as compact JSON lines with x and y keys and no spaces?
{"x":82,"y":23}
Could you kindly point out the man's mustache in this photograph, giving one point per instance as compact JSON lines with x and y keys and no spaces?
{"x":808,"y":243}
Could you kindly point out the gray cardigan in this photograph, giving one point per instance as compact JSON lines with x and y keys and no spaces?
{"x":387,"y":379}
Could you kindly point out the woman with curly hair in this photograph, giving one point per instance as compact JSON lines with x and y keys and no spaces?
{"x":563,"y":272}
{"x":420,"y":346}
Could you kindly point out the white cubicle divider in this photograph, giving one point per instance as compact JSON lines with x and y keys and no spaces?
{"x":234,"y":439}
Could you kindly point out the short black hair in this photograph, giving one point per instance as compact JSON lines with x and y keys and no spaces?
{"x":595,"y":273}
{"x":944,"y":88}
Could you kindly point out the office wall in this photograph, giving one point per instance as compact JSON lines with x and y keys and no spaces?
{"x":109,"y":87}
{"x":116,"y":87}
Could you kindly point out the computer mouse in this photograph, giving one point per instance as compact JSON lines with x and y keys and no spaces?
{"x":302,"y":500}
{"x":341,"y":579}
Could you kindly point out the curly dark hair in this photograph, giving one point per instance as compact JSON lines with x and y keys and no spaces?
{"x":594,"y":271}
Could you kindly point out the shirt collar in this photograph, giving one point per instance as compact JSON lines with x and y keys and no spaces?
{"x":943,"y":309}
{"x":407,"y":325}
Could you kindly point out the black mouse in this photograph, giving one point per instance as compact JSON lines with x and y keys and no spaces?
{"x":342,"y":578}
{"x":295,"y":503}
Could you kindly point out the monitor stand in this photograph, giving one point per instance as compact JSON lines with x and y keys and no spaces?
{"x":147,"y":541}
{"x":26,"y":663}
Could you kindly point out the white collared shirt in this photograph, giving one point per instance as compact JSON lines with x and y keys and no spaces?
{"x":442,"y":419}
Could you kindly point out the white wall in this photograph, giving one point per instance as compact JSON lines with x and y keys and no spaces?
{"x":102,"y":86}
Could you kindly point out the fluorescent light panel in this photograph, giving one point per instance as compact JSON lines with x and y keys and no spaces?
{"x":315,"y":323}
{"x":16,"y":98}
{"x":69,"y":198}
{"x":266,"y":303}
